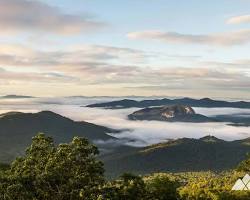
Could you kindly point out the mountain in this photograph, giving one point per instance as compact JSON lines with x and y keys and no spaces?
{"x":205,"y":102}
{"x":16,"y":97}
{"x":174,"y":113}
{"x":17,"y":129}
{"x":181,"y":155}
{"x":238,"y":119}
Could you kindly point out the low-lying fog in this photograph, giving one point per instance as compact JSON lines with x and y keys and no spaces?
{"x":141,"y":132}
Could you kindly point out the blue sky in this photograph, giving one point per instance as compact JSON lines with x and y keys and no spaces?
{"x":134,"y":47}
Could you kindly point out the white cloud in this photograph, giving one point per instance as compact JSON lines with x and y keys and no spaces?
{"x":219,"y":39}
{"x":151,"y":132}
{"x":239,"y":19}
{"x":142,"y":132}
{"x":24,"y":15}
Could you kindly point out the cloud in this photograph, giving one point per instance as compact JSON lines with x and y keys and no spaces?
{"x":86,"y":63}
{"x":24,"y":15}
{"x":114,"y":67}
{"x":151,"y":132}
{"x":239,"y":19}
{"x":8,"y":77}
{"x":219,"y":39}
{"x":18,"y":55}
{"x":142,"y":132}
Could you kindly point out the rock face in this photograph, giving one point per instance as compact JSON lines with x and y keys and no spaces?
{"x":174,"y":113}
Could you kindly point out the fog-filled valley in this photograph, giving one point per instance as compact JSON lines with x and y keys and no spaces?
{"x":135,"y":133}
{"x":179,"y":154}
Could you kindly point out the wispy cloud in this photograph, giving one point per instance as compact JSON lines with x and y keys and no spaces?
{"x":220,"y":39}
{"x":90,"y":64}
{"x":12,"y":77}
{"x":117,"y":67}
{"x":25,"y":15}
{"x":18,"y":55}
{"x":239,"y":19}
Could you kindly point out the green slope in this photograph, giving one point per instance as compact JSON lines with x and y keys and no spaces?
{"x":17,"y":129}
{"x":182,"y":155}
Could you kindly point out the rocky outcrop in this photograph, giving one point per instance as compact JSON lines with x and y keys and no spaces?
{"x":174,"y":113}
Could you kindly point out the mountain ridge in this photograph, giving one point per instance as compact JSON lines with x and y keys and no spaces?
{"x":180,"y":155}
{"x":204,"y":102}
{"x":17,"y":129}
{"x":13,"y":96}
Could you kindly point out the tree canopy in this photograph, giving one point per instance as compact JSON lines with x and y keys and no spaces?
{"x":67,"y":171}
{"x":72,"y":172}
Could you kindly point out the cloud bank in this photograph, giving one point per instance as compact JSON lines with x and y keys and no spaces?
{"x":151,"y":132}
{"x":141,"y":132}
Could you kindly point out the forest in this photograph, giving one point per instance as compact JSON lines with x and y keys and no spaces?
{"x":71,"y":171}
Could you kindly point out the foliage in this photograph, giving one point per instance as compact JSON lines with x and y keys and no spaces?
{"x":67,"y":171}
{"x":181,"y":155}
{"x":244,"y":165}
{"x":127,"y":187}
{"x":162,"y":186}
{"x":210,"y":186}
{"x":72,"y":172}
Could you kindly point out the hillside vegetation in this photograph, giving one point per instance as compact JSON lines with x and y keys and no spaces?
{"x":71,"y":171}
{"x":17,"y":128}
{"x":181,"y":155}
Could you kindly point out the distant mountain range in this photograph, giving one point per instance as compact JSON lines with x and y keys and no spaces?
{"x":181,"y":155}
{"x":16,"y":97}
{"x":174,"y":113}
{"x":17,"y":130}
{"x":205,"y":102}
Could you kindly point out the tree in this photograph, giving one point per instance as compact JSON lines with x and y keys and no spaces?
{"x":129,"y":186}
{"x":244,"y":165}
{"x":64,"y":172}
{"x":162,"y":186}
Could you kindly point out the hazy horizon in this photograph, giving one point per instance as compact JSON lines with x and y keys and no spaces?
{"x":120,"y":97}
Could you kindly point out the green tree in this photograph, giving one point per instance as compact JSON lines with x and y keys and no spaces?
{"x":210,"y":186}
{"x":162,"y":186}
{"x":63,"y":172}
{"x":128,"y":187}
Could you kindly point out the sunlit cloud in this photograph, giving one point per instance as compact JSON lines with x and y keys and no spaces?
{"x":239,"y":19}
{"x":24,"y":15}
{"x":221,"y":39}
{"x":115,"y":67}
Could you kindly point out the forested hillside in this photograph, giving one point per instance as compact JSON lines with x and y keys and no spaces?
{"x":71,"y":171}
{"x":181,"y":155}
{"x":16,"y":130}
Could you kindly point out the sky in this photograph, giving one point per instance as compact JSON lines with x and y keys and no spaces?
{"x":118,"y":48}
